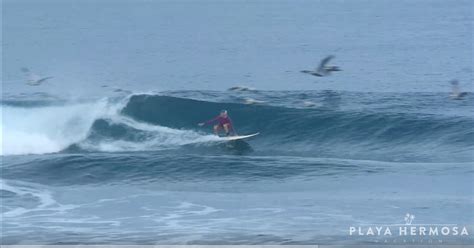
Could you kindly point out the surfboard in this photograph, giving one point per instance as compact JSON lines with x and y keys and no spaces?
{"x":238,"y":137}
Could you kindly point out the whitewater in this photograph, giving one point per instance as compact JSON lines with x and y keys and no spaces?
{"x":52,"y":129}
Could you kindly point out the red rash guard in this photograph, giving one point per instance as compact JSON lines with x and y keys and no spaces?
{"x":221,"y":120}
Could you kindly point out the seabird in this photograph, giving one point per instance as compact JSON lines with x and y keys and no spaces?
{"x":240,"y":88}
{"x":33,"y":79}
{"x":323,"y":69}
{"x":456,"y":93}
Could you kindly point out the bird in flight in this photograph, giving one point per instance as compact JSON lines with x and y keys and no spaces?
{"x":323,"y":69}
{"x":456,"y":93}
{"x":33,"y":79}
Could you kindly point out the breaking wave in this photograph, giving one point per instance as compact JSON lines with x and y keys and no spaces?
{"x":155,"y":122}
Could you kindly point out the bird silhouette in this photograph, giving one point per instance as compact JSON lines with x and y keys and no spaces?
{"x":33,"y":79}
{"x":323,"y":69}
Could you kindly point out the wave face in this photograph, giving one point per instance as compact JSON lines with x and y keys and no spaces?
{"x":145,"y":122}
{"x":320,"y":132}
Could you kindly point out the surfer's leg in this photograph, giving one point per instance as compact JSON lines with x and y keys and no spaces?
{"x":216,"y":129}
{"x":226,"y":128}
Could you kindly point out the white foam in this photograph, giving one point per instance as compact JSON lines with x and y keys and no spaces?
{"x":46,"y":129}
{"x":158,"y":138}
{"x":43,"y":197}
{"x":49,"y":129}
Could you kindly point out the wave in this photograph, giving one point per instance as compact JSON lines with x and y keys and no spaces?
{"x":46,"y":129}
{"x":96,"y":126}
{"x":120,"y":133}
{"x":319,"y":131}
{"x":176,"y":112}
{"x":144,"y":122}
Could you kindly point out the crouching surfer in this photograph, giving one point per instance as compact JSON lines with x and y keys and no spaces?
{"x":222,"y":121}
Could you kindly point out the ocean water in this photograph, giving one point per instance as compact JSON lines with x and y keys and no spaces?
{"x":109,"y":150}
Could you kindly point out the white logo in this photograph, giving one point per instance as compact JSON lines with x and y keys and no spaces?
{"x":409,"y":230}
{"x":409,"y":218}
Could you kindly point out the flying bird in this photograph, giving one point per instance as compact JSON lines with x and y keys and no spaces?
{"x":33,"y":79}
{"x":323,"y":68}
{"x":240,"y":88}
{"x":456,"y":92}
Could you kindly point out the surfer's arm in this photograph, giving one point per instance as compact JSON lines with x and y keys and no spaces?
{"x":209,"y":121}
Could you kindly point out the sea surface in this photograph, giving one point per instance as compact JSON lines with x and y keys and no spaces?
{"x":108,"y":151}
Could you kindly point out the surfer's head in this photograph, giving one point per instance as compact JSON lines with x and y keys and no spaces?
{"x":223,"y":113}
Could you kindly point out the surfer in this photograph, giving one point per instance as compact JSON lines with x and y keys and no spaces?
{"x":222,"y":121}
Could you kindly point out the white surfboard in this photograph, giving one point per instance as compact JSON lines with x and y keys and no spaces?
{"x":238,"y":137}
